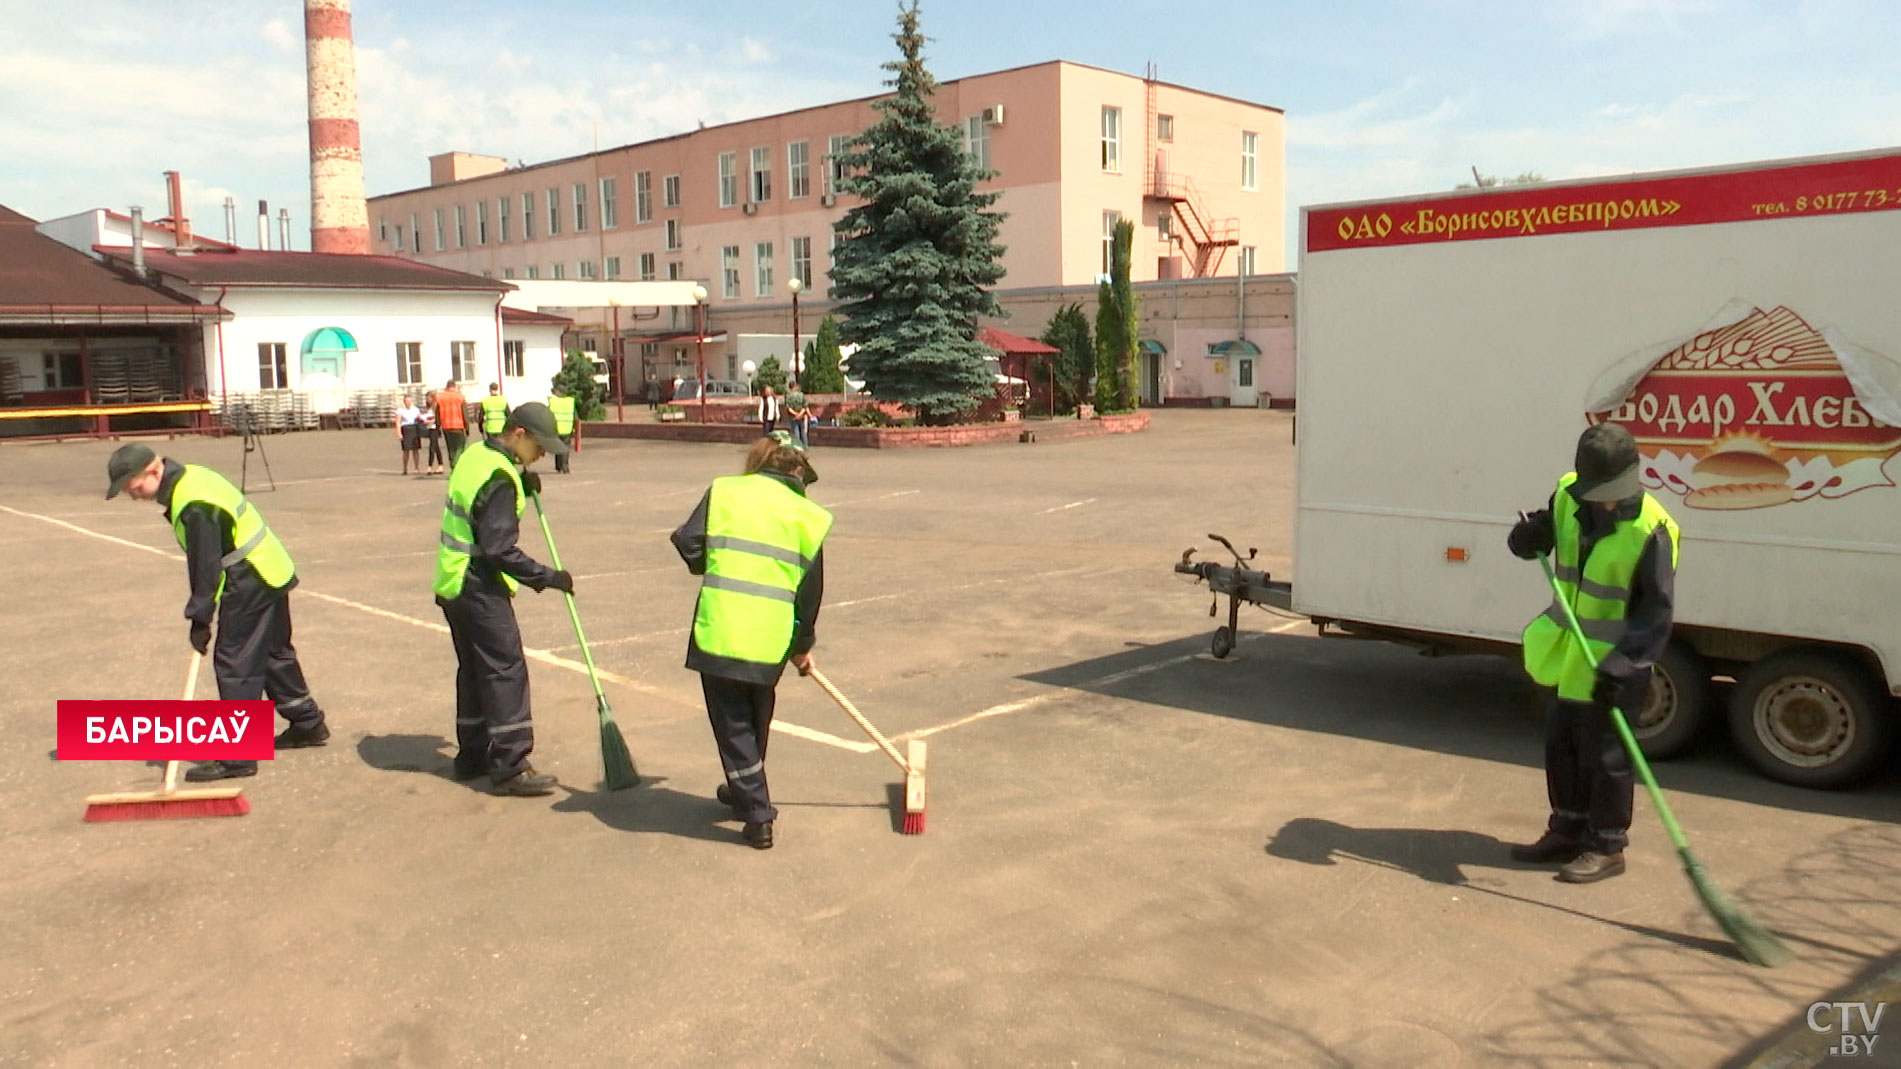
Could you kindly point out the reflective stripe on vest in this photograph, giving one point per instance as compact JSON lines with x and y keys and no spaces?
{"x":494,"y":413}
{"x":477,"y":465}
{"x":761,"y":539}
{"x":1599,"y":592}
{"x":253,"y":540}
{"x":563,"y":409}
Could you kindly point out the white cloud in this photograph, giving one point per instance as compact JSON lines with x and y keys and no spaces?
{"x":277,"y":32}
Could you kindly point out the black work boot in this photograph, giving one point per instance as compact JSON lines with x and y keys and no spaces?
{"x":759,"y":835}
{"x":526,"y":784}
{"x":1551,"y":848}
{"x":297,"y":738}
{"x":1591,"y":867}
{"x":217,"y":770}
{"x":724,"y":794}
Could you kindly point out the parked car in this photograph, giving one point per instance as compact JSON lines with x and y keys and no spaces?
{"x":690,"y":389}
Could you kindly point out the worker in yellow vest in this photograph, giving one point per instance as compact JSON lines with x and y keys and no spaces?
{"x":242,"y":575}
{"x":561,"y":403}
{"x":479,"y":566}
{"x":1615,"y":557}
{"x":758,"y":545}
{"x":494,"y":410}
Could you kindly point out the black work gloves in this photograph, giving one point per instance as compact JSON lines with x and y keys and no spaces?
{"x":200,"y":636}
{"x":531,"y":482}
{"x":1608,"y":690}
{"x":1532,"y":537}
{"x":562,"y":581}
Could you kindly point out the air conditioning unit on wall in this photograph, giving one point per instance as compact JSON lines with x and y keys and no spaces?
{"x":993,"y":116}
{"x":827,"y":200}
{"x":749,"y":208}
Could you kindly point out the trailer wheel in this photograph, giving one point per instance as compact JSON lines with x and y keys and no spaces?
{"x":1811,"y":719}
{"x":1223,"y":643}
{"x":1678,"y":703}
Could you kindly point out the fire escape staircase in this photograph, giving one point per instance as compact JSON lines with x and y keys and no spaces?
{"x":1208,"y":239}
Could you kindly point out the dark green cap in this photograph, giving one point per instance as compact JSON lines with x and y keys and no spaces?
{"x":535,"y":418}
{"x":127,"y":460}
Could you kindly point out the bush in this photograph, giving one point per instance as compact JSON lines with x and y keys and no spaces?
{"x":867,"y":416}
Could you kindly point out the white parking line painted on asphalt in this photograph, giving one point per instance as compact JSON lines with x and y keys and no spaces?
{"x":1109,"y":680}
{"x":1071,"y":505}
{"x":93,"y":534}
{"x":868,"y":500}
{"x":960,"y":586}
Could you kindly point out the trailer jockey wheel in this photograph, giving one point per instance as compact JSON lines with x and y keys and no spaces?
{"x":1223,"y":643}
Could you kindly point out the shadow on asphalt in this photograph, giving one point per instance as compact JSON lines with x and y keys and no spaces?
{"x":1834,"y":906}
{"x":1473,"y":706}
{"x":1442,"y":857}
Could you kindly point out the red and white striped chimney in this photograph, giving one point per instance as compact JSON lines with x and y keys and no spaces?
{"x":339,"y":217}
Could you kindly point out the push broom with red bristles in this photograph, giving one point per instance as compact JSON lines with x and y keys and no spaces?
{"x":912,"y":763}
{"x":168,"y":802}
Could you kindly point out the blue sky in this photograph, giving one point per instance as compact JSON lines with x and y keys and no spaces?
{"x":1383,"y":99}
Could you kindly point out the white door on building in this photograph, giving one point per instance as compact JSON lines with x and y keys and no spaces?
{"x":1241,"y":391}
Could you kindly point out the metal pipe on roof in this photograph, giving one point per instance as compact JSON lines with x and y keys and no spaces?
{"x":138,"y":242}
{"x":181,"y":226}
{"x":230,"y":221}
{"x":283,"y":229}
{"x":263,"y":226}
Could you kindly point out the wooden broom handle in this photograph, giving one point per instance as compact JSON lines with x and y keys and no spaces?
{"x":845,"y":703}
{"x":191,"y":688}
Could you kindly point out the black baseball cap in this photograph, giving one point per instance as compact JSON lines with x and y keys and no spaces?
{"x":127,"y":460}
{"x":1607,"y":463}
{"x":534,"y":417}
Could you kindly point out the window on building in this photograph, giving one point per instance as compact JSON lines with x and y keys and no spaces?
{"x":728,"y":179}
{"x":462,"y":360}
{"x":558,"y":271}
{"x":643,"y":197}
{"x":481,"y":222}
{"x":508,"y":272}
{"x":501,"y":219}
{"x":409,"y":362}
{"x":587,"y":269}
{"x":802,"y":261}
{"x":1244,"y":263}
{"x":729,"y":271}
{"x":461,"y":227}
{"x":762,"y":269}
{"x":534,"y":271}
{"x":1165,"y":128}
{"x":382,"y":230}
{"x":1111,"y":139}
{"x":673,"y":235}
{"x":1109,"y":221}
{"x":761,"y":174}
{"x":415,"y":230}
{"x":831,"y":255}
{"x":61,"y":371}
{"x":611,"y":267}
{"x":580,"y":207}
{"x":646,"y":266}
{"x":1244,"y":372}
{"x":440,"y":244}
{"x":798,"y":169}
{"x":514,"y":359}
{"x":554,"y":212}
{"x":273,"y":369}
{"x":835,"y":163}
{"x":1165,"y":227}
{"x":527,"y":216}
{"x":670,"y":191}
{"x":610,"y":204}
{"x":977,"y":140}
{"x":486,"y":273}
{"x":1248,"y":141}
{"x":400,"y":245}
{"x":675,"y":270}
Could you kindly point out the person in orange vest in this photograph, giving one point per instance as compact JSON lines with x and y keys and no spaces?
{"x":452,"y":417}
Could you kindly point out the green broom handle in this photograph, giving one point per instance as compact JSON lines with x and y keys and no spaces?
{"x":1617,"y":717}
{"x":580,"y":636}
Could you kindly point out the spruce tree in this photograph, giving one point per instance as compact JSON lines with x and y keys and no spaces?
{"x":915,"y":260}
{"x":1118,"y":324}
{"x":821,"y":374}
{"x":1068,"y":331}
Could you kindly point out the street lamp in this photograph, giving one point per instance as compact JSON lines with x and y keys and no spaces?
{"x":798,"y":359}
{"x":699,"y":343}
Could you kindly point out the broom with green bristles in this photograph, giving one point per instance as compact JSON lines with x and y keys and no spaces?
{"x":617,"y":762}
{"x":1755,"y":942}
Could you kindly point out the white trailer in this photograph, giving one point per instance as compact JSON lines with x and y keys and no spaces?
{"x":1743,"y":322}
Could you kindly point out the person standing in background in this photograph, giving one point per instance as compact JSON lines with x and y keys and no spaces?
{"x":768,"y":411}
{"x":432,"y":435}
{"x":798,"y":414}
{"x":561,"y":403}
{"x":452,"y":417}
{"x":409,"y":433}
